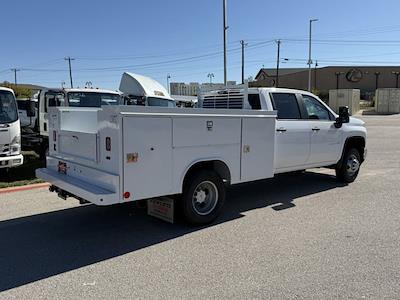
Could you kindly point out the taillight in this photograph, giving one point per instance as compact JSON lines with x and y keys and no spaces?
{"x":108,"y":143}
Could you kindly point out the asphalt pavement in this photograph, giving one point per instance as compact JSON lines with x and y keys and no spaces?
{"x":297,"y":236}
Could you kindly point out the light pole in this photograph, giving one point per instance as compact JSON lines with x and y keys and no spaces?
{"x":243,"y":46}
{"x":225,"y":16}
{"x":309,"y":55}
{"x":396,"y":73}
{"x":377,"y":79}
{"x":168,"y":78}
{"x":337,"y":78}
{"x":211,"y":76}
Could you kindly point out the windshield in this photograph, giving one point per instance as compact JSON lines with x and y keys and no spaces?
{"x":91,"y":99}
{"x":8,"y":107}
{"x":160,"y":102}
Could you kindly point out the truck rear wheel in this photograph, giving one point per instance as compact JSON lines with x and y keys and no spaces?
{"x":347,"y":171}
{"x":203,"y":197}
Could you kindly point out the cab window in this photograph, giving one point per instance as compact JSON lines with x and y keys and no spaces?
{"x":254,"y":101}
{"x":54,"y":99}
{"x":315,"y":110}
{"x":287,"y":106}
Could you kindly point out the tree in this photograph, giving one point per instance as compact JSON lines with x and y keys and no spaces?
{"x":19,"y":91}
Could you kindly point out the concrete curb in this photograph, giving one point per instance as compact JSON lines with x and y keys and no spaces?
{"x":24,"y":188}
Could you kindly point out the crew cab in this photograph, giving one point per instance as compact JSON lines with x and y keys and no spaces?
{"x":308,"y":132}
{"x":118,"y":154}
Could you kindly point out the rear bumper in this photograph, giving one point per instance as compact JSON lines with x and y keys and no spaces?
{"x":11,"y":161}
{"x":78,"y":188}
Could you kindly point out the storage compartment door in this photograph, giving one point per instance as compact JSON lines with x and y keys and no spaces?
{"x":147,"y":155}
{"x":258,"y":146}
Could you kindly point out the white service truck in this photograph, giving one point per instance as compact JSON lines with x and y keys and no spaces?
{"x":34,"y":112}
{"x":134,"y":90}
{"x":10,"y":132}
{"x":119,"y":154}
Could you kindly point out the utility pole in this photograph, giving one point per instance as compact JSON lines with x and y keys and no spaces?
{"x":225,"y":16}
{"x":243,"y":46}
{"x":315,"y":74}
{"x":15,"y":70}
{"x":309,"y":54}
{"x":15,"y":75}
{"x":70,"y":70}
{"x":168,"y":78}
{"x":277,"y":63}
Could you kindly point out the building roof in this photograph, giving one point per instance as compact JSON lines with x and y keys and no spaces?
{"x":271,"y":72}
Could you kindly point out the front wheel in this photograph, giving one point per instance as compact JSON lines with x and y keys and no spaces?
{"x":203,"y":197}
{"x":349,"y":168}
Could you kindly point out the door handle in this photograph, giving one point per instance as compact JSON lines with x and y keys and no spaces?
{"x":281,"y":129}
{"x":316,"y":129}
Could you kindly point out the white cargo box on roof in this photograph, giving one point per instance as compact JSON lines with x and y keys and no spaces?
{"x":139,"y":85}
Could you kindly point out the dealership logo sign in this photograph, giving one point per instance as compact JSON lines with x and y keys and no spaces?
{"x":354,"y":75}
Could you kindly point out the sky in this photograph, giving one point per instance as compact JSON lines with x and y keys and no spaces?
{"x":184,"y":38}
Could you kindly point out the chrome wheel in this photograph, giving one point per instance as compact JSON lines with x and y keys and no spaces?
{"x":205,"y":198}
{"x":352,"y":165}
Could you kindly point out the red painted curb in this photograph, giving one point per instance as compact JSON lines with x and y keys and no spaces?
{"x":23,"y":188}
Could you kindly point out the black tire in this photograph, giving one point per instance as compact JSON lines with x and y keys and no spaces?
{"x":203,"y":197}
{"x":347,"y":170}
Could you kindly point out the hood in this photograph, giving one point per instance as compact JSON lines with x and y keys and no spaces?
{"x":139,"y":85}
{"x":356,"y":122}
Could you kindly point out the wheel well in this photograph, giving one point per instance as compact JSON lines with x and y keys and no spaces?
{"x":217,"y":166}
{"x":357,"y":142}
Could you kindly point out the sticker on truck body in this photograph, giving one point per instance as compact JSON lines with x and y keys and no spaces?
{"x":132,"y":157}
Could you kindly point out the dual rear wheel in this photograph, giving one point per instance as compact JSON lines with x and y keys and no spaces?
{"x":203,"y":197}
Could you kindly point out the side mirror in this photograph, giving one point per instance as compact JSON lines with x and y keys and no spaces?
{"x":344,"y":116}
{"x":30,"y":109}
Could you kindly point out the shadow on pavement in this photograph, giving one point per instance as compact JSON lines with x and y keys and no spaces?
{"x":40,"y":246}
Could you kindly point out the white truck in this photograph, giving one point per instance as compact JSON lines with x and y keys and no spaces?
{"x":134,"y":90}
{"x":35,"y":112}
{"x":10,"y":132}
{"x":119,"y":154}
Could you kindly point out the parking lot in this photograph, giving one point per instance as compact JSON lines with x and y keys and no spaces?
{"x":298,"y":236}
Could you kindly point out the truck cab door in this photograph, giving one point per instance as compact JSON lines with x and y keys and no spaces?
{"x":325,"y":137}
{"x":293,"y":133}
{"x":48,"y":99}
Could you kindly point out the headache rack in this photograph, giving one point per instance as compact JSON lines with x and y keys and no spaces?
{"x":230,"y":97}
